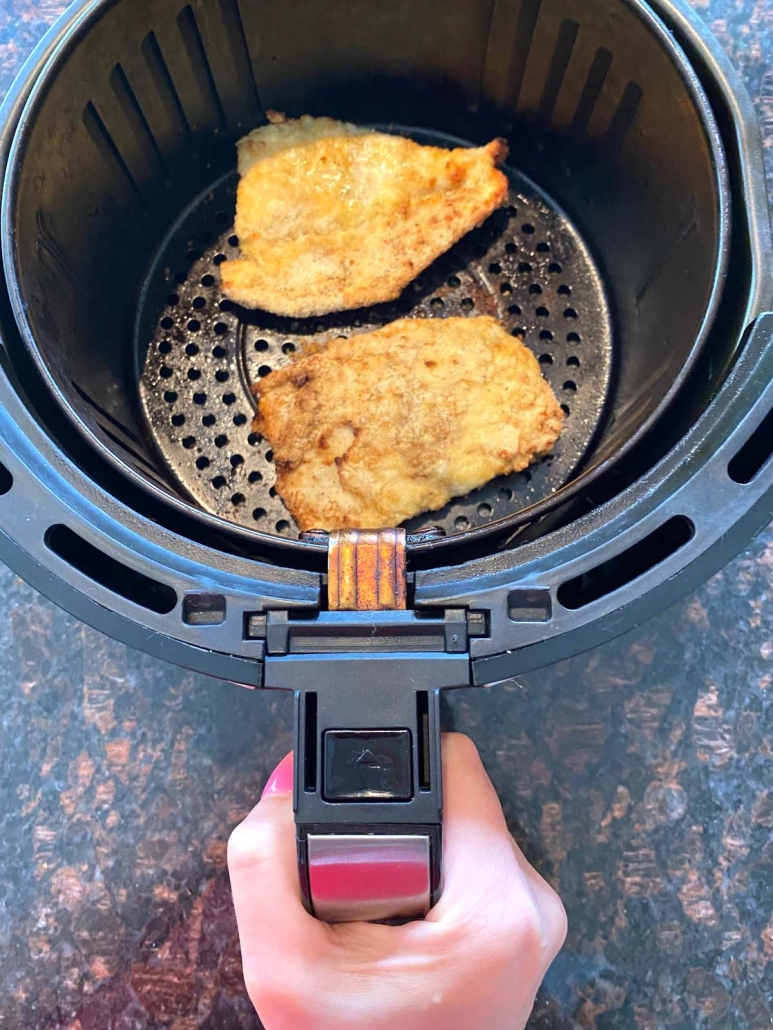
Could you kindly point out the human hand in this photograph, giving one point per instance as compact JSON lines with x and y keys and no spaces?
{"x":474,"y":963}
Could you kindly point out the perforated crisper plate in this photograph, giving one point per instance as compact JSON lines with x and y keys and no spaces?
{"x":527,"y":266}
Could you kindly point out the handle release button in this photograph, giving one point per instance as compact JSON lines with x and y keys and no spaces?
{"x":367,"y":765}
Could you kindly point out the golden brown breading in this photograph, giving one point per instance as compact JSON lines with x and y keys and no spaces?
{"x":370,"y":431}
{"x":331,"y":217}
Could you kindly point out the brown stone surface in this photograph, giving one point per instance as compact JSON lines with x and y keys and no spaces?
{"x":638,"y":778}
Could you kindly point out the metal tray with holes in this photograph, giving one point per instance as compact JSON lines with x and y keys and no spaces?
{"x":527,"y":266}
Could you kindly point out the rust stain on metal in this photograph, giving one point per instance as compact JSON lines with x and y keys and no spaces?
{"x":366,"y":570}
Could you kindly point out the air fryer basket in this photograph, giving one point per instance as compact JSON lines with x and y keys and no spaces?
{"x":630,"y":141}
{"x":120,"y":200}
{"x":527,"y":267}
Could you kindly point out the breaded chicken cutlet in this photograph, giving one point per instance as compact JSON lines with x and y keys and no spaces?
{"x":373,"y":430}
{"x":332,"y":217}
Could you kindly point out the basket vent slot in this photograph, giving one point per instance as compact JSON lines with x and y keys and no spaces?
{"x":527,"y":23}
{"x":110,"y":573}
{"x":135,"y":116}
{"x":197,"y":55}
{"x":624,"y":568}
{"x":591,"y":91}
{"x":625,"y":115}
{"x":162,"y":77}
{"x":567,"y":37}
{"x":240,"y":52}
{"x":754,"y":454}
{"x":108,"y":148}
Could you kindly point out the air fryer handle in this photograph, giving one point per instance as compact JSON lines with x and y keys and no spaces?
{"x":368,"y":780}
{"x":367,"y":676}
{"x":368,"y":802}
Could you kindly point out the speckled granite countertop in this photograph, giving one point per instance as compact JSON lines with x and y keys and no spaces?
{"x":638,"y":776}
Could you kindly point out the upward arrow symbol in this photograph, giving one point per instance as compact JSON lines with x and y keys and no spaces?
{"x":367,"y":758}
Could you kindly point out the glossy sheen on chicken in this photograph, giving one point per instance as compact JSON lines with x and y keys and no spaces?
{"x":370,"y":431}
{"x":332,"y":217}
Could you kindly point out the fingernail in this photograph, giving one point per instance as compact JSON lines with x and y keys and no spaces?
{"x":281,"y":779}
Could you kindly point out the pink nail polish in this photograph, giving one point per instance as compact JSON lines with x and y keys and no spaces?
{"x":281,"y":779}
